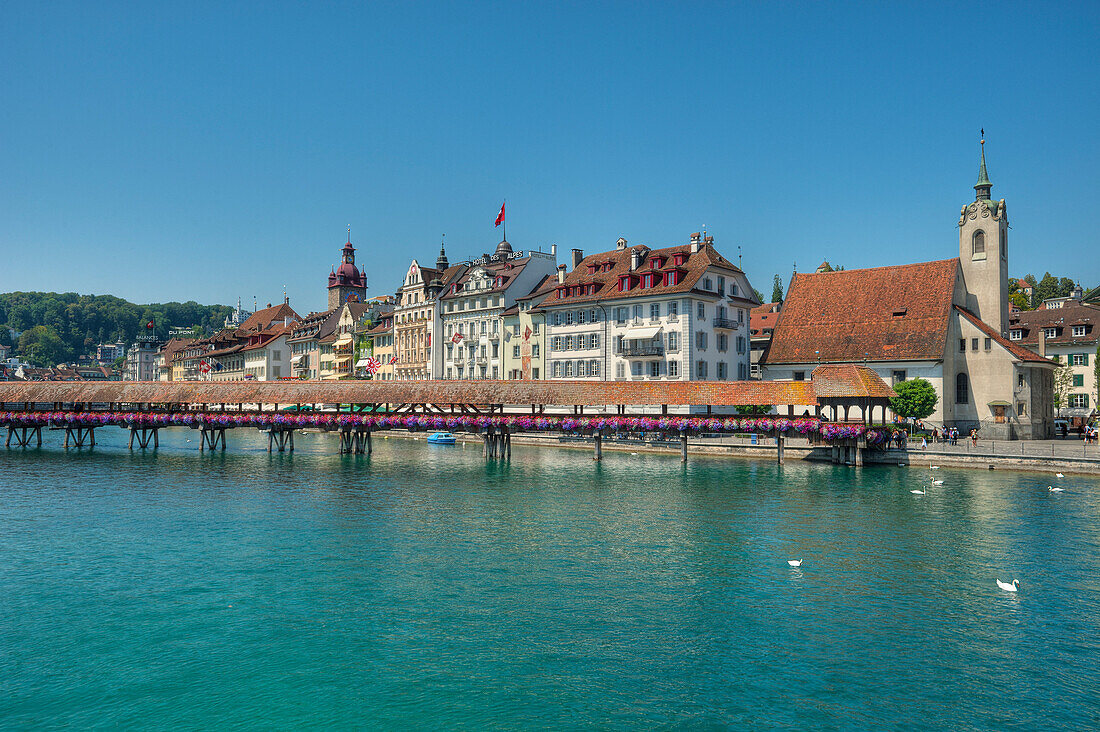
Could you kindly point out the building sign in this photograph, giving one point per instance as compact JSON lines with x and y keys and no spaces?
{"x":497,"y":258}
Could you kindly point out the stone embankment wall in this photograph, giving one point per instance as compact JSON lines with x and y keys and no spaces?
{"x":723,"y":448}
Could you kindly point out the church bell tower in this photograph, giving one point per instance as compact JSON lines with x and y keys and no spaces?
{"x":983,"y":252}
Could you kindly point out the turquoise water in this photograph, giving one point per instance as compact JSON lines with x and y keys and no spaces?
{"x":424,"y":588}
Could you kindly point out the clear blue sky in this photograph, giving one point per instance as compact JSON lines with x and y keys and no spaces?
{"x":205,"y":151}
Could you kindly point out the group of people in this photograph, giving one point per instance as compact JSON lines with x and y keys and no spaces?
{"x":948,"y":436}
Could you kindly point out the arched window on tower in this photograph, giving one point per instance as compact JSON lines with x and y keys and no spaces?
{"x":978,"y":242}
{"x":962,"y":389}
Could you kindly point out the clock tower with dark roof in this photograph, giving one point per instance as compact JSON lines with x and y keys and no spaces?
{"x":346,"y":283}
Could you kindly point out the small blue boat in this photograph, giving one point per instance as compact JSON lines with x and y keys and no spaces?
{"x":441,"y":438}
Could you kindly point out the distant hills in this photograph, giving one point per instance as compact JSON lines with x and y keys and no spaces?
{"x":80,"y":322}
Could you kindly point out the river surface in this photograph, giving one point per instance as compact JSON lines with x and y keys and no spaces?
{"x":425,"y":588}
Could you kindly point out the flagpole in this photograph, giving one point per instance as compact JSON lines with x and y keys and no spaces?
{"x":504,"y":221}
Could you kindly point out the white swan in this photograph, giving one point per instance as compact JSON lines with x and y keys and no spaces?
{"x":633,"y":453}
{"x":937,"y":482}
{"x":1052,"y":489}
{"x":1059,"y":475}
{"x":935,"y":467}
{"x":1009,"y":587}
{"x":794,"y":562}
{"x":919,"y":493}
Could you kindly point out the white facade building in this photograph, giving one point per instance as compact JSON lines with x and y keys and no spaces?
{"x":674,"y":314}
{"x":471,"y":323}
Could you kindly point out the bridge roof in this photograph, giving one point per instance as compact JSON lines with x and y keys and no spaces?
{"x":717,"y":393}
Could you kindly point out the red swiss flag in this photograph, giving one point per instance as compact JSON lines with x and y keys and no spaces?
{"x":500,"y":216}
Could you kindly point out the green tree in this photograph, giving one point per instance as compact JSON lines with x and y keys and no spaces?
{"x":1065,"y":287}
{"x":42,"y":346}
{"x":1063,"y":382}
{"x":916,"y":399}
{"x":759,"y":295}
{"x":1020,"y":300}
{"x":1046,"y":289}
{"x":777,"y":289}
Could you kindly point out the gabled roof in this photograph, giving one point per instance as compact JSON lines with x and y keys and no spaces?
{"x":507,"y":271}
{"x":607,"y":282}
{"x":763,"y":318}
{"x":1072,"y":313}
{"x":271,"y":314}
{"x":544,"y":287}
{"x":1018,"y":351}
{"x":896,"y":313}
{"x":849,"y":380}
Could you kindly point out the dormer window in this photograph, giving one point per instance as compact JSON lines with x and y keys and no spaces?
{"x":593,"y":268}
{"x":1079,"y":331}
{"x":1050,"y":332}
{"x":900,"y":312}
{"x":679,"y":258}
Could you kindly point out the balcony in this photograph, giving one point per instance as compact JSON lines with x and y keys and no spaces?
{"x":641,"y":350}
{"x":725,"y":324}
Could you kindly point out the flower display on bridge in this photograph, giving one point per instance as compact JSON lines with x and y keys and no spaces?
{"x":602,"y":424}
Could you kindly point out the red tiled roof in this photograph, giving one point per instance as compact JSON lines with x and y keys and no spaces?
{"x":849,"y":380}
{"x":1072,"y":313}
{"x":607,"y":282}
{"x":883,"y":314}
{"x":1021,"y":353}
{"x":763,"y":317}
{"x":265,"y":317}
{"x":507,"y":271}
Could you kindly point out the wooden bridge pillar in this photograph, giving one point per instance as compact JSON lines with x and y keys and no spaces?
{"x":683,"y":447}
{"x":23,"y":435}
{"x":211,"y":438}
{"x":597,"y":440}
{"x":281,"y":439}
{"x":779,"y":448}
{"x":144,"y":435}
{"x":77,"y":435}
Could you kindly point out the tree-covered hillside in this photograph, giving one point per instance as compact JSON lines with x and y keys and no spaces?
{"x":82,"y":321}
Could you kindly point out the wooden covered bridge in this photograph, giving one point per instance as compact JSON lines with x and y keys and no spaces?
{"x":493,"y":409}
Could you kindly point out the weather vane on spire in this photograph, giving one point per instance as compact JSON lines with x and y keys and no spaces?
{"x":349,"y":233}
{"x":983,"y":135}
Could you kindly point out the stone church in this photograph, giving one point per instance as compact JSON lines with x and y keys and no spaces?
{"x":944,"y":321}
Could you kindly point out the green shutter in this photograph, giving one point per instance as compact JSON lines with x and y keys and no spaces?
{"x":1078,"y":380}
{"x":1086,"y":357}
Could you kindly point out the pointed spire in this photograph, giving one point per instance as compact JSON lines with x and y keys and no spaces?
{"x":441,"y":262}
{"x":983,"y":186}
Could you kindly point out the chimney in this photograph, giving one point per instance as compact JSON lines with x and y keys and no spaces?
{"x":635,"y":259}
{"x":1043,"y":342}
{"x":696,"y":240}
{"x":561,"y":274}
{"x":554,"y":251}
{"x":578,"y":255}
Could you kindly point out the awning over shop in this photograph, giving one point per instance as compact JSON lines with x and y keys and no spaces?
{"x":361,"y":363}
{"x":642,"y":333}
{"x":296,"y":360}
{"x":344,"y":340}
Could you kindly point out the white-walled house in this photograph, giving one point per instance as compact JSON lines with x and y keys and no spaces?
{"x":635,"y":313}
{"x":472,"y":335}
